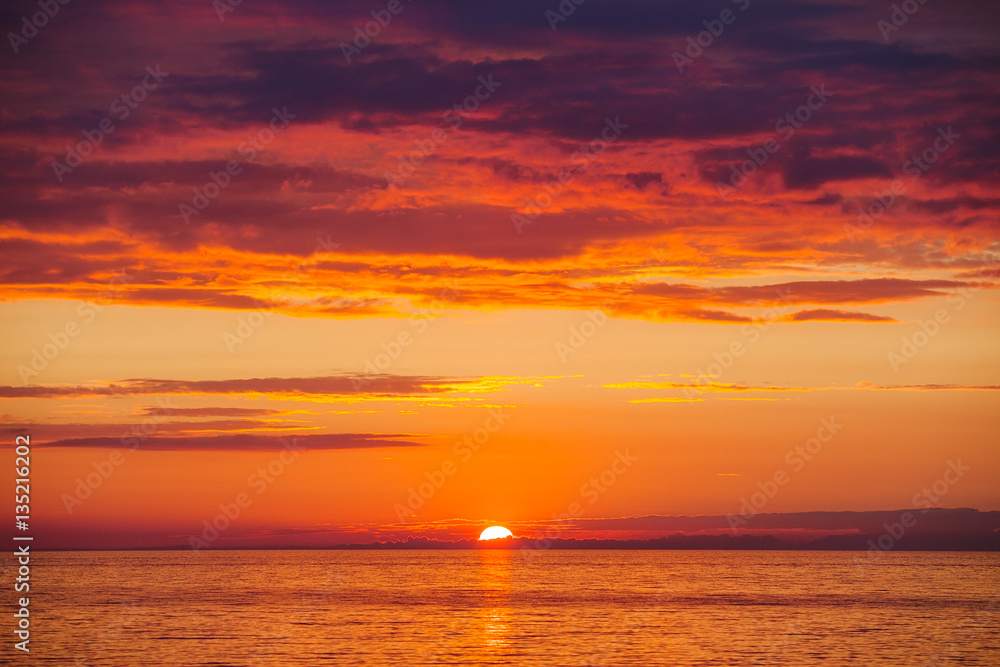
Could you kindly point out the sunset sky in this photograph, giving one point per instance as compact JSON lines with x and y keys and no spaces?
{"x":499,"y":246}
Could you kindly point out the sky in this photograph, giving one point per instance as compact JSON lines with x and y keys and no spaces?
{"x":339,"y":273}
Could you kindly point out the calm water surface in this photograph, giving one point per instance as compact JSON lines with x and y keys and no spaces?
{"x":502,"y":607}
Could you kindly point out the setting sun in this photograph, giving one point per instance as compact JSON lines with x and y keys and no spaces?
{"x":494,"y":533}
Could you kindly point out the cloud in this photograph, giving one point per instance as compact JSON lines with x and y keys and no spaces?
{"x":708,"y":315}
{"x":244,"y":442}
{"x":713,"y":387}
{"x":829,"y":315}
{"x":213,"y":412}
{"x":331,"y":385}
{"x":934,"y":520}
{"x":929,"y":387}
{"x":807,"y":173}
{"x":643,"y":178}
{"x":868,"y":290}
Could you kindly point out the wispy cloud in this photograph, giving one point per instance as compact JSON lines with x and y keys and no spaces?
{"x":325,"y":386}
{"x":246,"y":442}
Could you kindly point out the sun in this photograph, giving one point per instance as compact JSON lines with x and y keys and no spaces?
{"x":494,"y":533}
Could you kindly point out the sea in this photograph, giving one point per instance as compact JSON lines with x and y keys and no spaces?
{"x":511,"y":607}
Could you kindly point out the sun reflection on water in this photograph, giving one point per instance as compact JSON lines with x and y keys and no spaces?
{"x":495,"y":609}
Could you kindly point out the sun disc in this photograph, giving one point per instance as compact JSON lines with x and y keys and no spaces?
{"x":495,"y":532}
